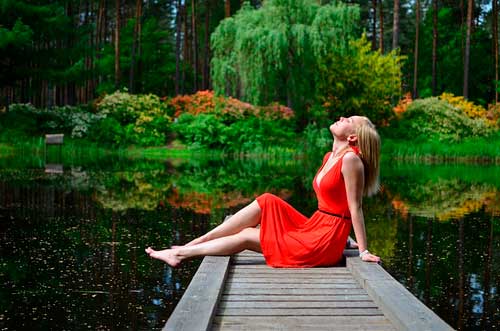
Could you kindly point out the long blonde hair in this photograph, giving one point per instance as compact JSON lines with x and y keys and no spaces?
{"x":369,"y":146}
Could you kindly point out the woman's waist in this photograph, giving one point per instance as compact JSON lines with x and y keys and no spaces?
{"x":340,"y":213}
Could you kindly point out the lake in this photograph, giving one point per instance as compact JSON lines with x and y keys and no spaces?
{"x":73,"y":232}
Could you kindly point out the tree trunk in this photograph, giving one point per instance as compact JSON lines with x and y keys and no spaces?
{"x":495,"y":45}
{"x":434,"y":45}
{"x":470,"y":4}
{"x":178,"y":46}
{"x":381,"y":26}
{"x":117,"y":45}
{"x":374,"y":25}
{"x":227,"y":8}
{"x":100,"y":34}
{"x":395,"y":26}
{"x":415,"y":64}
{"x":187,"y":46}
{"x":206,"y":57}
{"x":138,"y":15}
{"x":195,"y":45}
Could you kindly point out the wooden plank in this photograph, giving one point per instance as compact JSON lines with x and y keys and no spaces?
{"x":263,"y":267}
{"x":299,"y":312}
{"x":54,"y":139}
{"x":249,"y":256}
{"x":291,"y":273}
{"x":250,"y":261}
{"x":295,"y":291}
{"x":289,"y":323}
{"x":297,"y":285}
{"x":296,"y":304}
{"x":294,"y":280}
{"x":399,"y":305}
{"x":195,"y":310}
{"x":301,"y":298}
{"x":52,"y":168}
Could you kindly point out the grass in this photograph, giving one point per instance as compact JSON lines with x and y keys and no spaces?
{"x":469,"y":150}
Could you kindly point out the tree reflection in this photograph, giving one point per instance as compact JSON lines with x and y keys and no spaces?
{"x":435,"y":227}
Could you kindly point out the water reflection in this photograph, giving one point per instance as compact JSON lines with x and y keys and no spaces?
{"x":72,"y":242}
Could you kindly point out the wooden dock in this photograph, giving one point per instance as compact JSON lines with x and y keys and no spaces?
{"x":243,"y":293}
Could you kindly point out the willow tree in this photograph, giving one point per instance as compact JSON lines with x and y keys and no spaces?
{"x":271,"y":53}
{"x":288,"y":51}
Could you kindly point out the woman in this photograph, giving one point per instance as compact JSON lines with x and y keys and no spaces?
{"x":287,"y":238}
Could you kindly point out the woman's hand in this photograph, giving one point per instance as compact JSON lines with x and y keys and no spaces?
{"x":369,"y":257}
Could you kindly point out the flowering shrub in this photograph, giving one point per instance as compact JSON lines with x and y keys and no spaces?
{"x":434,"y":118}
{"x":494,"y":113}
{"x":468,"y":108}
{"x":142,"y":119}
{"x":403,"y":104}
{"x":206,"y":102}
{"x":209,"y":121}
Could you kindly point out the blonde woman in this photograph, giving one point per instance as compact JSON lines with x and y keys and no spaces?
{"x":286,"y":237}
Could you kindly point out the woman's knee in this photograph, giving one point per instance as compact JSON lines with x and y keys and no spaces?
{"x":250,"y":236}
{"x":266,"y":196}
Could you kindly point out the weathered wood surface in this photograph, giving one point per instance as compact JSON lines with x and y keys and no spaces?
{"x":54,"y":139}
{"x":253,"y":296}
{"x":51,"y":168}
{"x":257,"y":297}
{"x":404,"y":310}
{"x":196,"y":309}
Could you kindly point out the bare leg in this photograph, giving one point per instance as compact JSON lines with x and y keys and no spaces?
{"x":247,"y":217}
{"x":248,"y":238}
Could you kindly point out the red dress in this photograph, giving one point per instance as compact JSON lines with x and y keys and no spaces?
{"x":290,"y":239}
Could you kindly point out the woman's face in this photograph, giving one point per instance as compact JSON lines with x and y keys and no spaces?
{"x":346,"y":126}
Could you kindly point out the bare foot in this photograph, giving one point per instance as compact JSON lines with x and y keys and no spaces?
{"x":168,"y":256}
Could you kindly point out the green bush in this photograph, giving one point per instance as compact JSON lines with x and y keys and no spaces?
{"x":143,"y":119}
{"x":211,"y":131}
{"x":362,"y":82}
{"x":109,"y":130}
{"x":316,"y":139}
{"x":30,"y":121}
{"x":203,"y":130}
{"x":435,"y":119}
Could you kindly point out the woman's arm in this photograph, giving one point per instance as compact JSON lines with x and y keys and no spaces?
{"x":354,"y":178}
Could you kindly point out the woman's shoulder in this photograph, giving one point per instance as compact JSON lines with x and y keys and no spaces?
{"x":352,"y":160}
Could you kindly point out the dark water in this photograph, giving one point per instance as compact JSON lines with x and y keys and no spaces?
{"x":72,"y":243}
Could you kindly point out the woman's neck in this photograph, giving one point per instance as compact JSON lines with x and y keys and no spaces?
{"x":339,"y":147}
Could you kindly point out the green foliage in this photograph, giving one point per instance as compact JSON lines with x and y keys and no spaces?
{"x":303,"y":54}
{"x":30,"y":121}
{"x":19,"y":36}
{"x":468,"y":150}
{"x":203,"y":130}
{"x":361,"y":83}
{"x":316,"y":140}
{"x":435,"y":119}
{"x":450,"y":55}
{"x":132,"y":119}
{"x":269,"y":54}
{"x":215,"y":132}
{"x":156,"y":59}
